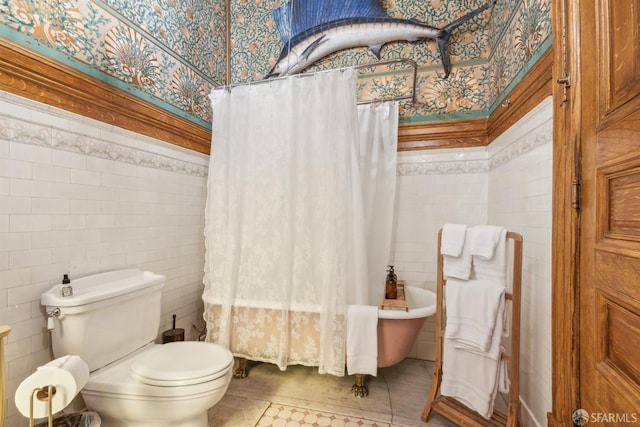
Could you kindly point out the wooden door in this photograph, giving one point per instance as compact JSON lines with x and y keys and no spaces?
{"x":609,"y":280}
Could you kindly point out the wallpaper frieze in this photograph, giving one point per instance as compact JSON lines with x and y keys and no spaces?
{"x":168,"y":52}
{"x":531,"y":28}
{"x":253,"y":25}
{"x":487,"y":54}
{"x":187,"y":27}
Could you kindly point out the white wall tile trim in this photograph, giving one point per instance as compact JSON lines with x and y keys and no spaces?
{"x":21,"y":121}
{"x":529,"y":133}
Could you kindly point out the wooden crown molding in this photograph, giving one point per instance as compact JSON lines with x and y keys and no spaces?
{"x":31,"y":75}
{"x":26,"y":73}
{"x":443,"y":134}
{"x":529,"y":92}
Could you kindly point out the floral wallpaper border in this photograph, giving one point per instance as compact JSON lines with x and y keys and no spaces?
{"x":489,"y":54}
{"x":167,"y":52}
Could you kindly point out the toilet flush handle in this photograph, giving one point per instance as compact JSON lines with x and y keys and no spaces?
{"x":55,"y":312}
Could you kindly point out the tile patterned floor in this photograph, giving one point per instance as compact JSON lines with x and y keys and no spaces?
{"x":289,"y":416}
{"x":300,"y":397}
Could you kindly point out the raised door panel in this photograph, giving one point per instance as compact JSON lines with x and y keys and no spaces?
{"x":619,"y":38}
{"x":610,"y":211}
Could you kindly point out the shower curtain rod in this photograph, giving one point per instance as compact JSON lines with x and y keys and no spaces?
{"x":411,"y":96}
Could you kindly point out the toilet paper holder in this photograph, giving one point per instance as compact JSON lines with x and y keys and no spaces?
{"x":51,"y":388}
{"x":43,"y":394}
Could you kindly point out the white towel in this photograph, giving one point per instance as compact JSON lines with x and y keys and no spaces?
{"x":458,"y":266}
{"x":504,"y":382}
{"x":362,"y":339}
{"x":494,"y":268}
{"x":470,"y":378}
{"x":475,"y":308}
{"x":452,"y":239}
{"x":484,"y":239}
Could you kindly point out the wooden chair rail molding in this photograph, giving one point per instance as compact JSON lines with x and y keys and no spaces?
{"x":26,"y":73}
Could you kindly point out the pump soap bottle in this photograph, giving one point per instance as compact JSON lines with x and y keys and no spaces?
{"x":66,"y":289}
{"x":391,"y":286}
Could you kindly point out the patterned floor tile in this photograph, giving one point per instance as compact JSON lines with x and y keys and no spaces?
{"x":289,"y":416}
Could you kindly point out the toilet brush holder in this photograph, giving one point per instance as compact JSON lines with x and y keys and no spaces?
{"x":173,"y":334}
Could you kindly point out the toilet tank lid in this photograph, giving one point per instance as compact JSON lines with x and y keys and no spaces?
{"x":101,"y":286}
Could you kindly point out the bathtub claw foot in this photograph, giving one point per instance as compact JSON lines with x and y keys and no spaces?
{"x":241,"y":370}
{"x":359,"y":389}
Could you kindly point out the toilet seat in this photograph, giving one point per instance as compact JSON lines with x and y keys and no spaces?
{"x":117,"y":379}
{"x":181,"y":363}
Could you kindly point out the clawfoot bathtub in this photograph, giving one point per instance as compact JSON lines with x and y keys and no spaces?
{"x":398,"y":330}
{"x":397,"y":333}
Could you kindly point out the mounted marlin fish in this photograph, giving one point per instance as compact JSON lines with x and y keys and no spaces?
{"x":313,"y":29}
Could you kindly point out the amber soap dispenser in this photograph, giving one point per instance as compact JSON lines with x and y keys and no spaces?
{"x":391,"y":285}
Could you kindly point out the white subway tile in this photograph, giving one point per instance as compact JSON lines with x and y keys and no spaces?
{"x":27,"y":294}
{"x":28,"y":328}
{"x":85,"y":177}
{"x":4,"y":147}
{"x":49,"y":239}
{"x":11,"y":278}
{"x":15,"y":205}
{"x":121,"y":168}
{"x":49,"y":206}
{"x":22,"y":223}
{"x":64,"y":190}
{"x":69,"y":159}
{"x":15,"y":241}
{"x":91,"y":207}
{"x":30,"y":257}
{"x":49,"y":273}
{"x":51,"y":173}
{"x":15,"y":169}
{"x":113,"y":262}
{"x":30,"y":188}
{"x":97,"y":164}
{"x":30,"y":153}
{"x":68,"y":222}
{"x":85,"y":237}
{"x":14,"y":314}
{"x":5,"y":188}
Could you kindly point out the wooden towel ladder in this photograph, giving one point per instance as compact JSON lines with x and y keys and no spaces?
{"x":451,"y":408}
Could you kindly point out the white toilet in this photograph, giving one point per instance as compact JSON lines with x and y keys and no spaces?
{"x":111,"y":322}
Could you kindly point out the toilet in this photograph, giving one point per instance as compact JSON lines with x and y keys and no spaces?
{"x":111,"y":321}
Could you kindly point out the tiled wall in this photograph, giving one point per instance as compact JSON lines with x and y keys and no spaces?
{"x":507,"y":184}
{"x":520,"y":195}
{"x":80,"y":197}
{"x":434,"y":188}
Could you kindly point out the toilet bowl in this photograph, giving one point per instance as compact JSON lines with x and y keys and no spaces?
{"x":111,"y":321}
{"x":161,"y":385}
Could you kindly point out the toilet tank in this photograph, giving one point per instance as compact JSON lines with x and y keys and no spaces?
{"x":108,"y":316}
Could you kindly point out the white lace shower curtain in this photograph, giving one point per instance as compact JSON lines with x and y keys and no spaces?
{"x":284,"y":221}
{"x":378,"y":129}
